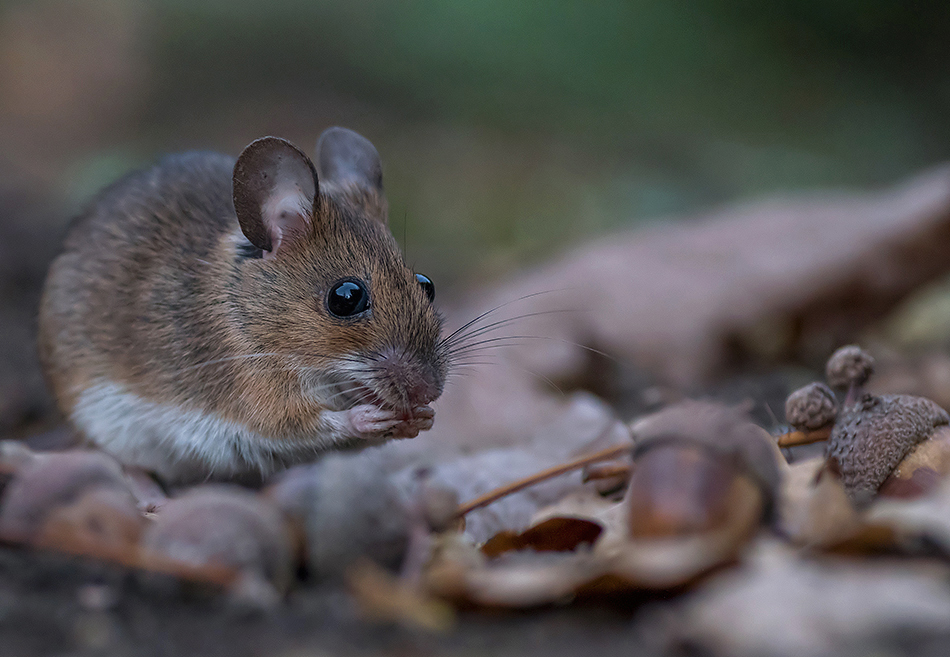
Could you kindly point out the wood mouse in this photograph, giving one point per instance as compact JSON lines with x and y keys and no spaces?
{"x":213,"y":319}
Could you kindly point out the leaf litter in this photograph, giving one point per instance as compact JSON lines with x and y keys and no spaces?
{"x":694,"y":503}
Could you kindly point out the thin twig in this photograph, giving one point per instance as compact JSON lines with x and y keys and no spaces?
{"x":795,"y":438}
{"x":606,"y":471}
{"x":515,"y":486}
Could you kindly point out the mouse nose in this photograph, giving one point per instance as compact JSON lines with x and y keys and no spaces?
{"x":422,"y":392}
{"x":418,"y":383}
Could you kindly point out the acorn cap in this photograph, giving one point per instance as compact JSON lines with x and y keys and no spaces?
{"x":811,"y":407}
{"x":871,"y":438}
{"x":849,"y":366}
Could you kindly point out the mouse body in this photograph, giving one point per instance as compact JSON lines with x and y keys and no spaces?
{"x":213,"y":319}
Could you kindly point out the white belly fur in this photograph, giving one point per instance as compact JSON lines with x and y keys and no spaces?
{"x":179,"y":445}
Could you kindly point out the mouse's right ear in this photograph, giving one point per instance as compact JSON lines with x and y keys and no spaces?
{"x":275,"y":189}
{"x":346,"y":158}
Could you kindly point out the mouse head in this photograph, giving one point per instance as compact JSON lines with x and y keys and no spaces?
{"x":323,"y":281}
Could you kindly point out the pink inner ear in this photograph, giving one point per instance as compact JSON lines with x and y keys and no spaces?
{"x":286,"y":215}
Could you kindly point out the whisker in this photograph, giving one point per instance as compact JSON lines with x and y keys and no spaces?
{"x":455,"y":339}
{"x":545,"y":379}
{"x":481,"y":343}
{"x":495,"y":309}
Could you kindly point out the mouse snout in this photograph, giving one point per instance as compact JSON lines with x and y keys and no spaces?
{"x":415,"y":383}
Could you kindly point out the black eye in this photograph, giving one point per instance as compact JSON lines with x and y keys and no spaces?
{"x":427,"y":286}
{"x":347,"y":298}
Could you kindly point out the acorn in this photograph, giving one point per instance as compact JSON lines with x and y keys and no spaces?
{"x":848,"y":369}
{"x":874,"y":434}
{"x":690,"y":461}
{"x":811,"y":411}
{"x":922,"y":470}
{"x":47,"y":483}
{"x":102,"y":521}
{"x":225,"y":525}
{"x":811,"y":408}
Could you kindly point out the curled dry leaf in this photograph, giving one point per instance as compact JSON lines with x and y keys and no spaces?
{"x":521,"y":579}
{"x":814,"y":509}
{"x":922,"y":523}
{"x":687,"y":460}
{"x":677,"y":490}
{"x":720,"y":429}
{"x":704,"y":480}
{"x":669,"y":562}
{"x":504,"y":488}
{"x":817,"y":513}
{"x":608,"y":478}
{"x":781,"y":605}
{"x":558,"y":534}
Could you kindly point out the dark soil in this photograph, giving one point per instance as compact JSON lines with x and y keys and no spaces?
{"x":56,"y":605}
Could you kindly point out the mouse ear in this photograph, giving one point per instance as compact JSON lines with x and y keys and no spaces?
{"x":275,"y":188}
{"x":346,"y":158}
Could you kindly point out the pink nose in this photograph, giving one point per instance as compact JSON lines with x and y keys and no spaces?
{"x":422,"y":392}
{"x":421,"y":384}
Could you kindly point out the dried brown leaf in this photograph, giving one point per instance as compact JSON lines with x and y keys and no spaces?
{"x":780,"y":605}
{"x":551,"y":535}
{"x":815,"y":509}
{"x":921,"y":521}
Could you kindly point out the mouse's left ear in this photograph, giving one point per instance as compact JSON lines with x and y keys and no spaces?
{"x":346,"y":161}
{"x":275,"y":189}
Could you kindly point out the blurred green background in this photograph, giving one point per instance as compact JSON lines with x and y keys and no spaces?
{"x":508,"y":130}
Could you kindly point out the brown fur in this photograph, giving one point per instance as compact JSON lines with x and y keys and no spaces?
{"x":151,"y":291}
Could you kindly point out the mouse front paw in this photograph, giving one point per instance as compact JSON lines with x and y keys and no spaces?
{"x":420,"y":420}
{"x":372,"y":424}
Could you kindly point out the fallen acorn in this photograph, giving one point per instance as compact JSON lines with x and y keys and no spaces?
{"x":46,"y":484}
{"x":102,"y":521}
{"x":869,"y":437}
{"x":872,"y":436}
{"x":811,"y":411}
{"x":348,"y":509}
{"x":688,"y":461}
{"x":849,"y":368}
{"x":227,"y":526}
